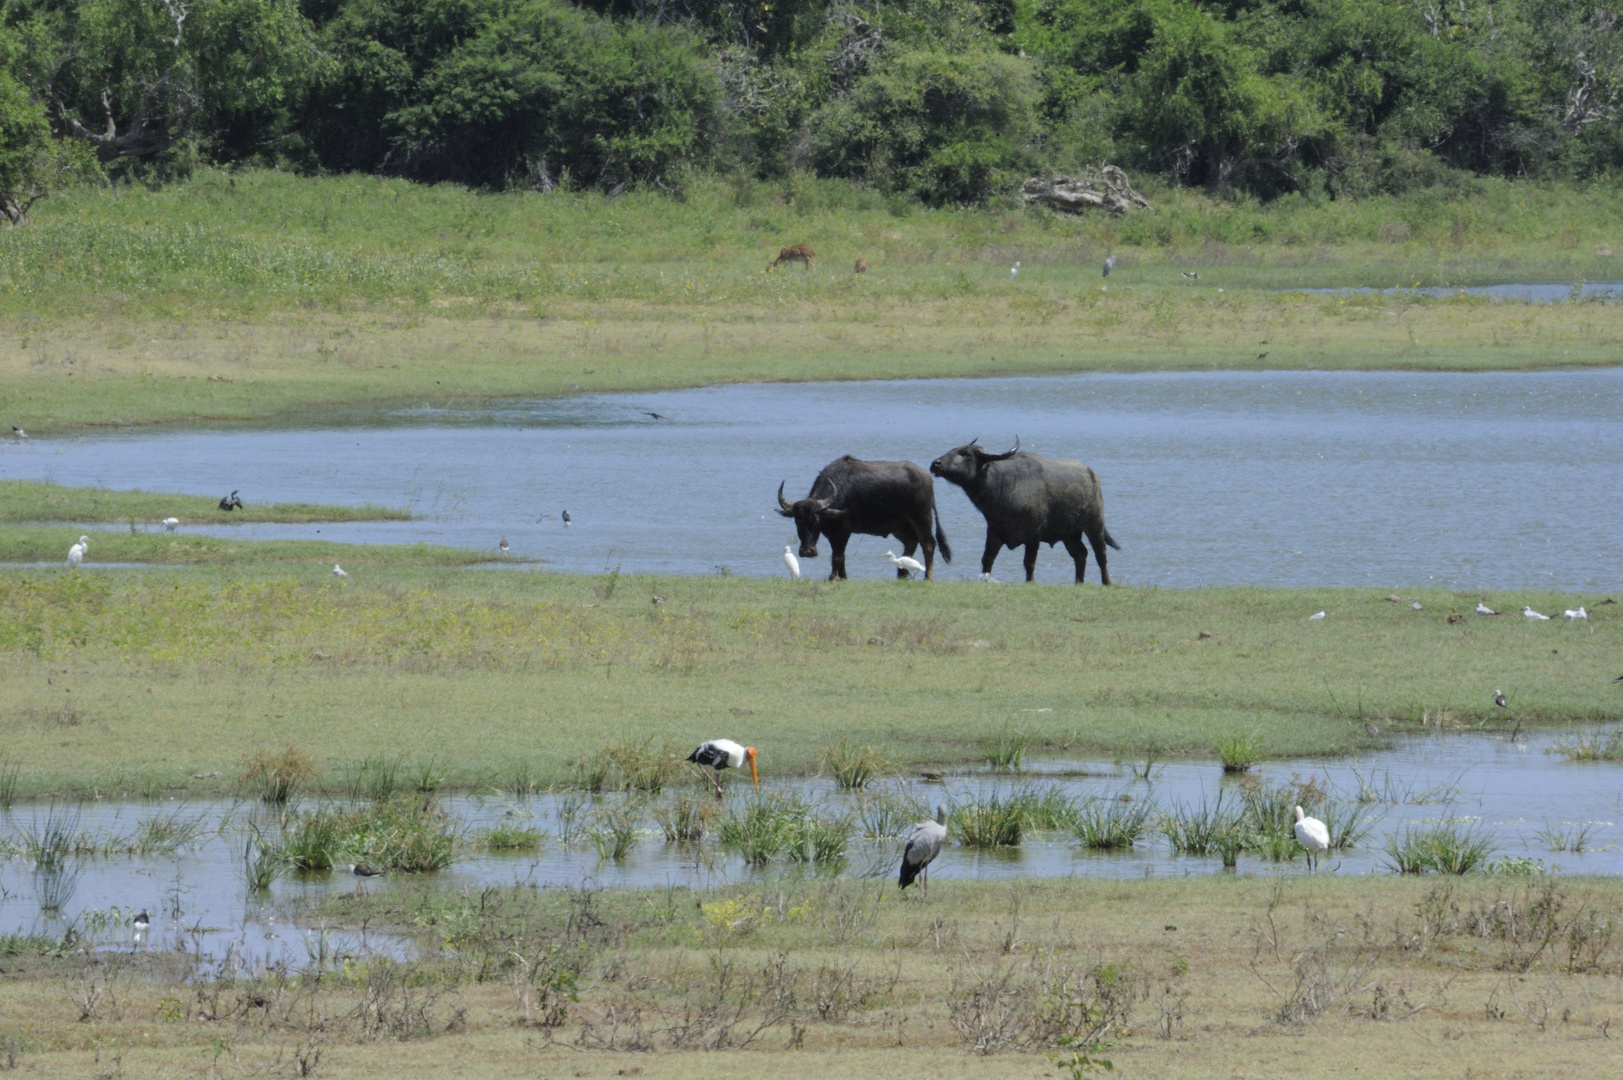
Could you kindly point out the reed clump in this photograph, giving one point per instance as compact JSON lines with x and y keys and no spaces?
{"x":510,"y":837}
{"x":1238,"y":753}
{"x":852,"y":766}
{"x":991,"y":820}
{"x":1448,"y":847}
{"x":275,"y":776}
{"x":405,"y":834}
{"x":1111,"y":825}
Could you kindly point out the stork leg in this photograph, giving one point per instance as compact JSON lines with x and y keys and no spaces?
{"x":707,"y":778}
{"x":924,"y":882}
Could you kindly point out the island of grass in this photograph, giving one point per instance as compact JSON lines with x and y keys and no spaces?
{"x":27,"y":501}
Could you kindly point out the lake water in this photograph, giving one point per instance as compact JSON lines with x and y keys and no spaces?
{"x":1533,"y":294}
{"x":1476,"y":482}
{"x":1513,"y":792}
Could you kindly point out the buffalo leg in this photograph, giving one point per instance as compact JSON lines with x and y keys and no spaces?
{"x":1031,"y":561}
{"x":989,"y":556}
{"x":836,"y":556}
{"x":1097,"y":540}
{"x":1080,"y":554}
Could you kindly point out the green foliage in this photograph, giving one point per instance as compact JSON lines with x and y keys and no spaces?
{"x":32,"y":164}
{"x":1448,"y":847}
{"x":1111,"y":825}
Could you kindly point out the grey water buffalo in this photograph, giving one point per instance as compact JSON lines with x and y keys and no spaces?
{"x":1029,"y":500}
{"x":875,"y":498}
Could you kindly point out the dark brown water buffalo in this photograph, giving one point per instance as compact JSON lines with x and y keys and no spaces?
{"x":876,"y":498}
{"x":1029,"y":500}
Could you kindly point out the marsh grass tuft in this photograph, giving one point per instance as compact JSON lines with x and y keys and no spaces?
{"x":375,"y":778}
{"x":786,"y":827}
{"x":9,"y":771}
{"x":686,"y":818}
{"x":55,"y":884}
{"x":991,"y":820}
{"x":275,"y":777}
{"x":1210,"y":829}
{"x":888,"y":812}
{"x":166,"y":834}
{"x":629,"y":766}
{"x":1006,"y":752}
{"x":510,"y":837}
{"x":1593,"y":745}
{"x":1238,"y":753}
{"x":852,"y":766}
{"x":1449,"y":847}
{"x":1111,"y":825}
{"x":406,"y":834}
{"x":614,"y":830}
{"x":50,"y":841}
{"x":1573,"y":837}
{"x":263,"y":860}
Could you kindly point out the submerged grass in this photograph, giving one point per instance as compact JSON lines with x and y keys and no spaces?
{"x":1597,"y":745}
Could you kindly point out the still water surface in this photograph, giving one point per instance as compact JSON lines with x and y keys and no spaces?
{"x":1482,"y":481}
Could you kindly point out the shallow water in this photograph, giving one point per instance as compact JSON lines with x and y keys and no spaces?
{"x":1482,"y":481}
{"x":1534,"y":294}
{"x":1513,"y":791}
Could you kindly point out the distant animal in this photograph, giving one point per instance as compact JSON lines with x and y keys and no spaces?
{"x":1014,"y":270}
{"x":170,"y":523}
{"x":1110,"y":264}
{"x":1619,"y":679}
{"x":861,"y":267}
{"x":76,"y":553}
{"x":504,"y":545}
{"x":1316,"y":616}
{"x":1371,"y":730}
{"x":924,"y":842}
{"x":791,"y":562}
{"x":1029,"y":500}
{"x":567,"y":519}
{"x":1192,"y":275}
{"x":361,"y":870}
{"x":141,"y":923}
{"x":231,"y":501}
{"x":719,"y":754}
{"x":800,"y":253}
{"x":338,"y":571}
{"x":1313,"y":836}
{"x":1415,"y":605}
{"x":908,"y":567}
{"x":1262,"y":356}
{"x":1499,"y":699}
{"x":873,"y":498}
{"x":1529,"y":613}
{"x":18,"y":432}
{"x":1484,"y":609}
{"x":1572,"y":616}
{"x":1455,"y":617}
{"x":655,"y":415}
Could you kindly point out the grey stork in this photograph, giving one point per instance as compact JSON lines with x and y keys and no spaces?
{"x":923,"y":845}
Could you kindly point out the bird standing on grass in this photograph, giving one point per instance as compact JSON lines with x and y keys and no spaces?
{"x":338,"y":571}
{"x":18,"y":432}
{"x":719,"y":754}
{"x":1014,"y":270}
{"x":791,"y":562}
{"x":907,"y":566}
{"x":1316,"y":616}
{"x":923,"y":845}
{"x":1313,"y":836}
{"x":1110,"y":264}
{"x":1484,"y":609}
{"x":1415,"y":605}
{"x":231,"y":501}
{"x":1500,"y":700}
{"x":504,"y":545}
{"x":76,"y":553}
{"x":1573,"y":616}
{"x":1529,"y":613}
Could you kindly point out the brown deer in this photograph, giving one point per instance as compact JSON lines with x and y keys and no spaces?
{"x":862,"y":267}
{"x":800,"y":253}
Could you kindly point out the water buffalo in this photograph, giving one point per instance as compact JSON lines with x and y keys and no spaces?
{"x":1029,"y":500}
{"x":876,"y":498}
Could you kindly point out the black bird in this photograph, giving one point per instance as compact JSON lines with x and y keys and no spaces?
{"x":655,"y":415}
{"x":567,"y":519}
{"x":1262,"y":356}
{"x":1499,"y":699}
{"x":231,"y":501}
{"x":141,"y":923}
{"x":1619,"y":679}
{"x":361,"y":870}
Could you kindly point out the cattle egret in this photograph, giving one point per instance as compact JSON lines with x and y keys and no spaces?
{"x":1415,"y":605}
{"x":1317,"y":615}
{"x":18,"y":432}
{"x":721,"y":754}
{"x":1570,"y":615}
{"x":1484,"y":609}
{"x":170,"y":523}
{"x":141,"y":923}
{"x":1313,"y":836}
{"x":923,"y":845}
{"x":231,"y":501}
{"x":1529,"y":613}
{"x":791,"y":562}
{"x":338,"y":571}
{"x":905,"y":564}
{"x":504,"y":545}
{"x":566,"y":519}
{"x":1110,"y":264}
{"x":76,"y":553}
{"x":1014,"y":270}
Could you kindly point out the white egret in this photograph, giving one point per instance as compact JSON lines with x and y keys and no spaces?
{"x":923,"y":845}
{"x":170,"y":523}
{"x":1415,"y":605}
{"x":719,"y":754}
{"x":1529,"y":613}
{"x":1484,"y":609}
{"x":76,"y":553}
{"x":338,"y":571}
{"x":1316,"y":616}
{"x":1571,"y":615}
{"x":910,"y":566}
{"x":1313,"y":836}
{"x":1014,"y":270}
{"x":791,"y":562}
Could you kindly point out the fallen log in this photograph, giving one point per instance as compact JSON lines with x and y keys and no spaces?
{"x":1106,"y":188}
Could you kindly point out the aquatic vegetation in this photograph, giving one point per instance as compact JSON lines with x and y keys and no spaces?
{"x":686,"y":818}
{"x":262,"y":859}
{"x":1238,"y":753}
{"x":276,"y":776}
{"x":990,"y":820}
{"x":406,"y":834}
{"x":888,"y":812}
{"x":1449,"y":847}
{"x":628,"y":766}
{"x":427,"y":775}
{"x":1006,"y":752}
{"x":785,"y":826}
{"x":51,"y":840}
{"x":9,"y":771}
{"x":1349,"y":824}
{"x":1209,"y":829}
{"x":852,"y":766}
{"x":510,"y":837}
{"x":1593,"y":745}
{"x":1110,"y":824}
{"x":55,"y":884}
{"x":166,"y":834}
{"x":1570,"y":837}
{"x":614,"y":830}
{"x":375,"y":778}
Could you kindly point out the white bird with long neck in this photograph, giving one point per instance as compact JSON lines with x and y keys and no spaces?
{"x":909,"y":566}
{"x":339,"y":571}
{"x":791,"y":562}
{"x":924,"y":842}
{"x":719,"y":754}
{"x":76,"y":553}
{"x":1313,"y":836}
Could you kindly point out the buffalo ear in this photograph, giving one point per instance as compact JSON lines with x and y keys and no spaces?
{"x":831,"y":515}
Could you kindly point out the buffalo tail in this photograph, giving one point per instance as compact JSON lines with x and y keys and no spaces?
{"x":1111,"y":540}
{"x":940,"y":537}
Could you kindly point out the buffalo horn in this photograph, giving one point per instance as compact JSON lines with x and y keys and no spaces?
{"x":781,"y":500}
{"x":1007,"y":453}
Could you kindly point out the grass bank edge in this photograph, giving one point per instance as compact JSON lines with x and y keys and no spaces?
{"x":30,"y":501}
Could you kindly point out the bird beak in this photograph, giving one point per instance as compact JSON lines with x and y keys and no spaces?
{"x":755,"y":776}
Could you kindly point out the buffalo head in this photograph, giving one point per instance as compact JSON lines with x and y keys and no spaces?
{"x":962,"y":465}
{"x":811,"y":518}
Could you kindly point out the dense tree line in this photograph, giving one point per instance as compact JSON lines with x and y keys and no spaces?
{"x":943,"y":100}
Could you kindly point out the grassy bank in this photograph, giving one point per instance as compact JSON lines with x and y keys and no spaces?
{"x":1196,"y":977}
{"x":123,"y":682}
{"x":32,"y":544}
{"x":30,"y":501}
{"x":265,"y":297}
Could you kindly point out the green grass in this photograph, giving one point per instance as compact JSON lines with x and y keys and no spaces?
{"x":110,"y":676}
{"x":267,"y":297}
{"x":34,"y":543}
{"x":1449,"y":847}
{"x":1112,"y":825}
{"x":29,"y":501}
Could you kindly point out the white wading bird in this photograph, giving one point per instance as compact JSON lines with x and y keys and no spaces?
{"x":905,"y":564}
{"x":1313,"y":836}
{"x":170,"y":523}
{"x":76,"y":553}
{"x":791,"y":562}
{"x":720,"y":754}
{"x":338,"y":571}
{"x":1573,"y":615}
{"x":1484,"y":609}
{"x":142,"y":923}
{"x":1315,"y":616}
{"x":1415,"y":605}
{"x":923,"y":845}
{"x":1014,"y":270}
{"x":1529,"y":613}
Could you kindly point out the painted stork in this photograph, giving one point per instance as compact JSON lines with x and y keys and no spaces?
{"x":1313,"y":836}
{"x":791,"y":562}
{"x":906,"y":565}
{"x":76,"y":553}
{"x":719,"y":754}
{"x":923,"y":845}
